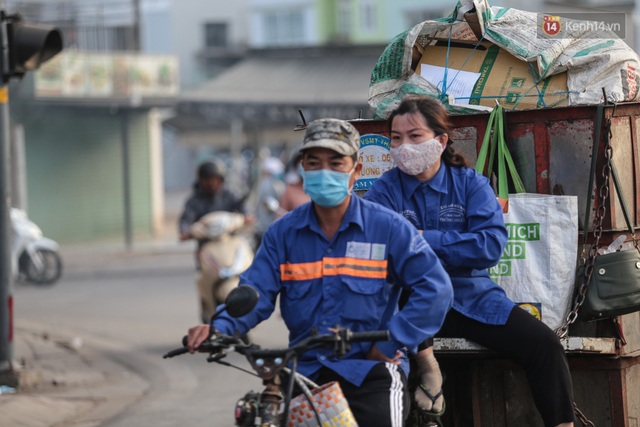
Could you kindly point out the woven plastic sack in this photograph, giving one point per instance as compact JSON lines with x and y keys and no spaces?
{"x":593,"y":58}
{"x":330,"y":403}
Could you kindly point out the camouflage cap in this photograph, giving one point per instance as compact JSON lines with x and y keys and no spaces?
{"x":334,"y":134}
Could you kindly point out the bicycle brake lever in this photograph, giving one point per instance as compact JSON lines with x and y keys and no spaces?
{"x":217,"y":357}
{"x":342,"y":345}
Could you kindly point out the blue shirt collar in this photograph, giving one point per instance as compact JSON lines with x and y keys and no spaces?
{"x":437,"y":183}
{"x":353,"y":215}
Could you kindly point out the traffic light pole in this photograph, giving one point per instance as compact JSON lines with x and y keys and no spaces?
{"x":8,"y":376}
{"x":23,"y":47}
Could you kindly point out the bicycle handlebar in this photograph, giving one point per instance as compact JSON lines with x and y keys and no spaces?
{"x":176,"y":352}
{"x":215,"y":344}
{"x":341,"y":338}
{"x":268,"y":364}
{"x":370,"y":336}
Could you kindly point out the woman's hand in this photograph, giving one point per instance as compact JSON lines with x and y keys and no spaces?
{"x":196,"y":336}
{"x":376,"y":354}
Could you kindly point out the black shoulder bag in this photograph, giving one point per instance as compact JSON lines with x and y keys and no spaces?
{"x":610,"y":283}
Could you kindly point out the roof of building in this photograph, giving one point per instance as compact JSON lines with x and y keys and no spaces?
{"x":291,"y":80}
{"x":270,"y":88}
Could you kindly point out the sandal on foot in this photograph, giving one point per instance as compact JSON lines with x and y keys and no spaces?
{"x":417,"y":418}
{"x":433,"y":402}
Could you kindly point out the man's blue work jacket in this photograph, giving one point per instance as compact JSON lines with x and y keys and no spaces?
{"x":346,"y":281}
{"x":463,"y":223}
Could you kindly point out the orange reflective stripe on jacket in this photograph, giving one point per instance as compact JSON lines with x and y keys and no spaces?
{"x":301,"y":271}
{"x":355,"y":267}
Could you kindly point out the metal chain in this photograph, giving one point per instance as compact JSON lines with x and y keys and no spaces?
{"x":583,"y":419}
{"x":588,"y":262}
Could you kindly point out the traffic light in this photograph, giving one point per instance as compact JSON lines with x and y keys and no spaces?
{"x":25,"y":45}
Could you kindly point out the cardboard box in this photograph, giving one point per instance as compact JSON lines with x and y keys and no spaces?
{"x":503,"y":77}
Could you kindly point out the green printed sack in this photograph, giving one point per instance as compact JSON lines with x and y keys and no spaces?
{"x":537,"y":268}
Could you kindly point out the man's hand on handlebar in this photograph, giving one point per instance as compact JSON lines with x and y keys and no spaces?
{"x":376,"y":354}
{"x":196,"y":336}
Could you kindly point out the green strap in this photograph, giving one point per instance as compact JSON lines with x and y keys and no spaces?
{"x":491,"y":143}
{"x":515,"y":177}
{"x":492,"y":152}
{"x":503,"y":184}
{"x":484,"y":148}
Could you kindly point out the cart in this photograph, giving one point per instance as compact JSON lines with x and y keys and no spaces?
{"x":552,"y":151}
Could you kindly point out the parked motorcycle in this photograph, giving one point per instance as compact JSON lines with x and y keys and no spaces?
{"x":225,"y":253}
{"x":34,"y":258}
{"x":275,"y":406}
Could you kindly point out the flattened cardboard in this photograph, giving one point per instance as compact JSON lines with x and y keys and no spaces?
{"x":505,"y":78}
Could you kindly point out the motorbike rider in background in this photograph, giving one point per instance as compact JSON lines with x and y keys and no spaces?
{"x":209,"y":195}
{"x":270,"y":186}
{"x":293,"y":194}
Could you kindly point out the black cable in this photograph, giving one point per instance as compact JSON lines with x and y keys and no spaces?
{"x":289,"y":393}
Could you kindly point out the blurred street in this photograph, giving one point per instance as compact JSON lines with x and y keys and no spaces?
{"x":90,"y":347}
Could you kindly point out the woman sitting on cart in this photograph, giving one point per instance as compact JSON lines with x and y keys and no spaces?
{"x":458,"y":215}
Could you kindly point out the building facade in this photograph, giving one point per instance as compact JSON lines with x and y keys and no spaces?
{"x":88,"y":125}
{"x":250,"y":72}
{"x":309,"y":57}
{"x":206,"y":36}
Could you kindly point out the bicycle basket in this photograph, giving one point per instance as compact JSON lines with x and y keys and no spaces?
{"x":331,"y":404}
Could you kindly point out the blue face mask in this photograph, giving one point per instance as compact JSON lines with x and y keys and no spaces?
{"x":327,"y":188}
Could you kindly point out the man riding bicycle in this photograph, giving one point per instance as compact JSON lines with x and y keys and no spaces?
{"x":341,"y":260}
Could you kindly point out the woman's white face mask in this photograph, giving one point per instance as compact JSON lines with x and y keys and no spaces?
{"x":413,"y":159}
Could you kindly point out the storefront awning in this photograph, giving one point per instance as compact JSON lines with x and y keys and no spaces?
{"x":270,"y":90}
